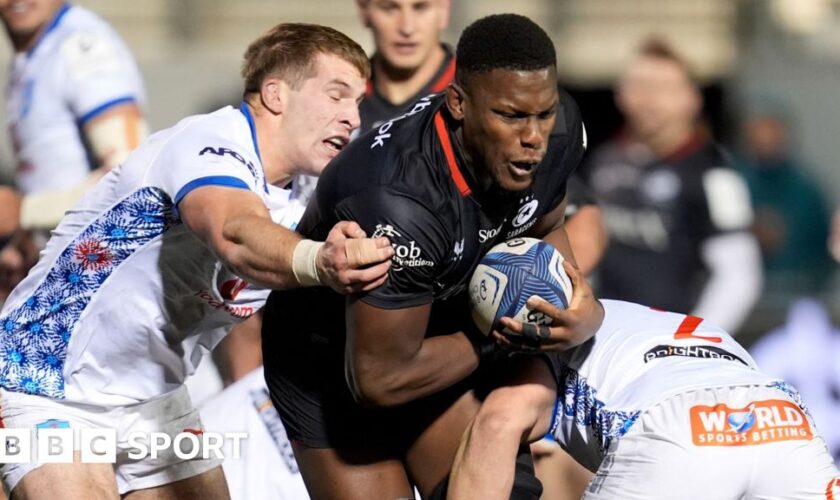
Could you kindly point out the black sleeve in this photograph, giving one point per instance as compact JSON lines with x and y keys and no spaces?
{"x":569,"y":144}
{"x":578,"y":196}
{"x":417,"y":235}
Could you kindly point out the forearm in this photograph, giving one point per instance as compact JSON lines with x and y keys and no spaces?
{"x":259,"y":251}
{"x":560,"y":240}
{"x":440,"y":362}
{"x":587,"y":237}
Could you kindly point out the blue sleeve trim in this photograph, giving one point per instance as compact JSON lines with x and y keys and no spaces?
{"x":212,"y":180}
{"x":90,"y":115}
{"x":57,"y":19}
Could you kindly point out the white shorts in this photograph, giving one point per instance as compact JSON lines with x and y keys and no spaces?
{"x":171,"y":413}
{"x":744,"y":442}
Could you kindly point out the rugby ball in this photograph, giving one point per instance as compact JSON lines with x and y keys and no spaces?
{"x":511,"y":273}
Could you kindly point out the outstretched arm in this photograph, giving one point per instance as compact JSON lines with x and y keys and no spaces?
{"x":236,"y":225}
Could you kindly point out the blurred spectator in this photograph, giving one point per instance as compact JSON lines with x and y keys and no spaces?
{"x":73,"y":110}
{"x":791,"y":215}
{"x":410,"y":61}
{"x":804,"y":352}
{"x":678,"y":218}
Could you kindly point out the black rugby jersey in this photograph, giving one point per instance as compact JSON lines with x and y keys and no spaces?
{"x":375,"y":109}
{"x":658,"y":212}
{"x":406,"y":180}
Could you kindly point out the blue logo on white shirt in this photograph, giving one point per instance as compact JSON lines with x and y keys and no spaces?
{"x":35,"y":335}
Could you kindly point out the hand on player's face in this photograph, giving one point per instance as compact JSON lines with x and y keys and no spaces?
{"x":349,"y":262}
{"x":570,"y":327}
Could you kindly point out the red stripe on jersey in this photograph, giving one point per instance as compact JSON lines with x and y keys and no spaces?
{"x":457,"y":176}
{"x":687,"y":328}
{"x":445,"y":79}
{"x":369,"y":88}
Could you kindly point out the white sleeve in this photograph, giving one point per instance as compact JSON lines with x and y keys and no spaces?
{"x":728,"y":199}
{"x":99,"y":72}
{"x":197,"y":165}
{"x":734,"y":284}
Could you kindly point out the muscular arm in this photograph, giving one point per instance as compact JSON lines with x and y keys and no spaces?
{"x":390,"y":362}
{"x":236,"y":225}
{"x":551,"y":229}
{"x":587,"y":237}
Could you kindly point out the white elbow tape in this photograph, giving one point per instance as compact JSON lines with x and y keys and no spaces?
{"x":303,"y":262}
{"x":114,"y":137}
{"x":46,"y":209}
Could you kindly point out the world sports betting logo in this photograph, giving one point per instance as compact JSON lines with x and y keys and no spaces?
{"x":53,"y":441}
{"x":759,"y":422}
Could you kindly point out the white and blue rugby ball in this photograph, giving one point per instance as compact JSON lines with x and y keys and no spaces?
{"x":511,"y":273}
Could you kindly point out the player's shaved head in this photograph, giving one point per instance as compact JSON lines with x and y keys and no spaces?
{"x":288,"y":50}
{"x":503,"y":41}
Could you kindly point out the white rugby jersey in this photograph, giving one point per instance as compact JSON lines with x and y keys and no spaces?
{"x":125,"y":299}
{"x":639,"y":357}
{"x":78,"y":69}
{"x":266,"y":468}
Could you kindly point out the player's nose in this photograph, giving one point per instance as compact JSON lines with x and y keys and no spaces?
{"x":530,"y":135}
{"x":350,"y":117}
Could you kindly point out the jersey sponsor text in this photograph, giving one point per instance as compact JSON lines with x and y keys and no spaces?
{"x":759,"y":422}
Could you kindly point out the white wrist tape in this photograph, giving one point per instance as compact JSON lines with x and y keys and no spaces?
{"x":303,"y":262}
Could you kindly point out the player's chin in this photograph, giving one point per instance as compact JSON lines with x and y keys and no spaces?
{"x":515,"y":183}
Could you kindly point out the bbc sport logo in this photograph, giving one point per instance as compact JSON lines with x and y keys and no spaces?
{"x":56,"y":443}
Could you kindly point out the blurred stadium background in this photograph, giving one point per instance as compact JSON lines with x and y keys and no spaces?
{"x":742,"y":50}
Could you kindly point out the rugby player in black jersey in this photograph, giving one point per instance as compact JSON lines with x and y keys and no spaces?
{"x":410,"y":61}
{"x":375,"y":391}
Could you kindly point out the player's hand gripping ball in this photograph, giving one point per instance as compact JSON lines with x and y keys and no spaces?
{"x":511,"y":273}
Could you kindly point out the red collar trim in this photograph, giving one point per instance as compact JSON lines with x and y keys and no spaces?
{"x":449,"y":153}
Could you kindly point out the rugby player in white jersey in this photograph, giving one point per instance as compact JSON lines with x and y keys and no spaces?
{"x":168,"y":250}
{"x":659,"y":405}
{"x":73,"y":110}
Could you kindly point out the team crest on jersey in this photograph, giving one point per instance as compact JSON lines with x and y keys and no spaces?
{"x":759,"y":422}
{"x":525,"y":216}
{"x":406,"y":252}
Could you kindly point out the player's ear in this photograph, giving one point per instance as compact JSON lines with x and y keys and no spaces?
{"x":274,"y":94}
{"x":455,"y":100}
{"x":363,"y":12}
